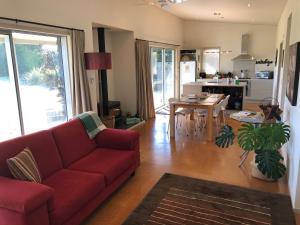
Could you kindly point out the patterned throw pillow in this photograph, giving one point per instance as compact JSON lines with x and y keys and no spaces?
{"x":24,"y":167}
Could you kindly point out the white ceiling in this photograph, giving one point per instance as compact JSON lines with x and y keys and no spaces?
{"x":260,"y":12}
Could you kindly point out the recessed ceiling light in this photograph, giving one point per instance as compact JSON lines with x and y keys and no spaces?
{"x":249,"y":3}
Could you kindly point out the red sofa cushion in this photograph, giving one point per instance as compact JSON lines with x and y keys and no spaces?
{"x":118,"y":139}
{"x":73,"y":189}
{"x":43,"y":148}
{"x":111,"y":163}
{"x":72,"y":141}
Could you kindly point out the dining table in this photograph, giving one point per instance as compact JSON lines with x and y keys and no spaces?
{"x":207,"y":102}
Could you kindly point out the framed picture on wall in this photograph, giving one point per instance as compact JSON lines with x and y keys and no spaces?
{"x":293,"y":74}
{"x":282,"y":60}
{"x":276,"y":56}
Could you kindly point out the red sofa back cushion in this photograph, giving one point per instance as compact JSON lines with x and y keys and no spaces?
{"x":43,"y":148}
{"x":72,"y":141}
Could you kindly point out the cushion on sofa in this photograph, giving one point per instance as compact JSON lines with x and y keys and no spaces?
{"x":72,"y":141}
{"x":23,"y":167}
{"x":43,"y":148}
{"x":73,"y":189}
{"x":111,"y":163}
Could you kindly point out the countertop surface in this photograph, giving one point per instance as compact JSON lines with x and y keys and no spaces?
{"x":220,"y":84}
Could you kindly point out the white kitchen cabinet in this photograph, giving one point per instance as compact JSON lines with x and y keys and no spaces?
{"x":261,"y":89}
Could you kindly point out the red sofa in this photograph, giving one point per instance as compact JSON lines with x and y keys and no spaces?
{"x":78,"y":174}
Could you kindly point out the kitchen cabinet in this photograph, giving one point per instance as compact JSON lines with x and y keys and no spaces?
{"x":261,"y":89}
{"x":236,"y":92}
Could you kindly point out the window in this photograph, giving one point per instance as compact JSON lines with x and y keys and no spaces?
{"x":34,"y":82}
{"x":163,"y":73}
{"x":211,"y":60}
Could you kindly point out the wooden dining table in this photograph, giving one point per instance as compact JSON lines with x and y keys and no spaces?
{"x":203,"y":102}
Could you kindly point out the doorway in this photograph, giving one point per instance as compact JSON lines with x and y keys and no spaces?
{"x":163,"y":75}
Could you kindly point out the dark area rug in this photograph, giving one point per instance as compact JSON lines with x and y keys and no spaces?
{"x":183,"y":200}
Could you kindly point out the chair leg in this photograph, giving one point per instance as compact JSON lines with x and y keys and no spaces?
{"x":224,"y":117}
{"x":186,"y":125}
{"x":217,"y":123}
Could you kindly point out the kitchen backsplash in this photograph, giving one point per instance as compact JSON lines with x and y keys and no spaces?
{"x":244,"y":65}
{"x":251,"y":68}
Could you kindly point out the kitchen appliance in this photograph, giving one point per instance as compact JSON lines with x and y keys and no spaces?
{"x":189,"y":66}
{"x":244,"y":56}
{"x":264,"y":75}
{"x":244,"y":74}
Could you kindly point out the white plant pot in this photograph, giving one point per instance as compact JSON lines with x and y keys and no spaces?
{"x":255,"y":172}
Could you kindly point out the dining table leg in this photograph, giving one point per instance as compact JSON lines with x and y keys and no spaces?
{"x":172,"y":120}
{"x":210,"y":123}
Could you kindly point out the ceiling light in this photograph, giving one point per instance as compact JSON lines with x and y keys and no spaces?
{"x":169,"y":3}
{"x":249,"y":3}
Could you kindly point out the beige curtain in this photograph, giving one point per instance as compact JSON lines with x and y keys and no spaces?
{"x":81,"y":98}
{"x":145,"y":102}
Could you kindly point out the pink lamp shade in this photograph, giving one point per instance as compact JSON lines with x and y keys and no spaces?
{"x":97,"y":61}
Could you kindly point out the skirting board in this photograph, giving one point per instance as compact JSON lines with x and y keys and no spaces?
{"x":137,"y":125}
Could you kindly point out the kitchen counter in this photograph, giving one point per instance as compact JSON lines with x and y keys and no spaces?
{"x":223,"y":84}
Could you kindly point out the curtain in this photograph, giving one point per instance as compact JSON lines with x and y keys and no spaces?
{"x":145,"y":102}
{"x":81,"y":98}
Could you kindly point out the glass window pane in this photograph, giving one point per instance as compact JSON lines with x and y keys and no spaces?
{"x":211,"y":60}
{"x":9,"y":116}
{"x":157,"y":76}
{"x":41,"y":80}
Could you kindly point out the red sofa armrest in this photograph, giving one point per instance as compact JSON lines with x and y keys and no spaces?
{"x":24,"y":197}
{"x":118,"y":139}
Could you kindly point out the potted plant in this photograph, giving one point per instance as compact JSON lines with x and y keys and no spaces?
{"x":265,"y":139}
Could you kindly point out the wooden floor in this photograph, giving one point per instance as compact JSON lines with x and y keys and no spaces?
{"x":186,"y":155}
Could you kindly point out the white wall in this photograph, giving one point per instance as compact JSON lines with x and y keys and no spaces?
{"x":291,"y":114}
{"x":110,"y":73}
{"x":147,"y":22}
{"x":227,"y":36}
{"x":124,"y":70}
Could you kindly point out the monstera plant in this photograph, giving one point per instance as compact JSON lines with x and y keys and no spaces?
{"x":265,"y":140}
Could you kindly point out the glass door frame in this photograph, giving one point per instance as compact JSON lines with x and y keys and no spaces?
{"x":164,"y":48}
{"x":12,"y":58}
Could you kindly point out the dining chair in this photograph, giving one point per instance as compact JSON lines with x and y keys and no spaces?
{"x":180,"y":112}
{"x":201,"y":114}
{"x":224,"y":107}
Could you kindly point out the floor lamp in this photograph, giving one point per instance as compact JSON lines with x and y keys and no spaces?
{"x":99,"y":61}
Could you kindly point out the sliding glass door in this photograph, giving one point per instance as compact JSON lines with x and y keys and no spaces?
{"x":163,"y":75}
{"x":34,"y":83}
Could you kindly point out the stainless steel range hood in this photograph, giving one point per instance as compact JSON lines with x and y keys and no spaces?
{"x":244,"y":56}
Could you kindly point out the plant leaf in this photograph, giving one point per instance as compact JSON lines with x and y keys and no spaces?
{"x":249,"y":137}
{"x":225,"y":137}
{"x":274,"y":135}
{"x":269,"y":163}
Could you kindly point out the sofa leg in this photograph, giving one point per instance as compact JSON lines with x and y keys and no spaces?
{"x":133,"y":173}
